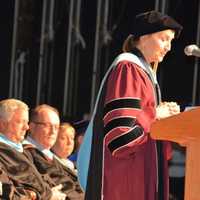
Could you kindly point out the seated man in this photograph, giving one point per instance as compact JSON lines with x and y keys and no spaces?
{"x":9,"y":191}
{"x":64,"y":145}
{"x":44,"y":125}
{"x":24,"y":179}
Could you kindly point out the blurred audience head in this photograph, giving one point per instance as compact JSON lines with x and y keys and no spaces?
{"x":80,"y":128}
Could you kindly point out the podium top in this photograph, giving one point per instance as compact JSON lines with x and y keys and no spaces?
{"x":181,"y":128}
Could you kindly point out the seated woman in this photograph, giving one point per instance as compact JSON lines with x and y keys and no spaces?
{"x":64,"y":145}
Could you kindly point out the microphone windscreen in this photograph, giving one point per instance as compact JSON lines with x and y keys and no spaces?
{"x":190,"y":48}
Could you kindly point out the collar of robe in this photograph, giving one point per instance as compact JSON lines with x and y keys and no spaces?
{"x":16,"y":146}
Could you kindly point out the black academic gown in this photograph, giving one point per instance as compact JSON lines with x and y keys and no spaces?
{"x":55,"y":173}
{"x":22,"y":174}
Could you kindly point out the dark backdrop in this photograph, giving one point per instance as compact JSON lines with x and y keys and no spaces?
{"x":49,"y":54}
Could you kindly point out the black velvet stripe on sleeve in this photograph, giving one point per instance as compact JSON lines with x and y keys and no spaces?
{"x":118,"y":122}
{"x":122,"y":103}
{"x":125,"y":139}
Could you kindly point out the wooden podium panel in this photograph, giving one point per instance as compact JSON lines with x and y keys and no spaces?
{"x":184,"y":129}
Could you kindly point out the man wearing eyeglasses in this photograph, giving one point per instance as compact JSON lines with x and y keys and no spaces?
{"x":43,"y":130}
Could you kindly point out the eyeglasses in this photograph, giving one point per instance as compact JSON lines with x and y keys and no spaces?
{"x":48,"y":125}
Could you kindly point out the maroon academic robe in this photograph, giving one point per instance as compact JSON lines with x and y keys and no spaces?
{"x":130,"y":161}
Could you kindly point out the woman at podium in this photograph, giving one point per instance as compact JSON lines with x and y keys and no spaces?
{"x":124,"y":161}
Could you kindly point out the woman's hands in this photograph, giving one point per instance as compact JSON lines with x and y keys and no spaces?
{"x":167,"y":109}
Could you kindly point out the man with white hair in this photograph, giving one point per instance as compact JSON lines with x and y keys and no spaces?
{"x":13,"y":127}
{"x":26,"y":179}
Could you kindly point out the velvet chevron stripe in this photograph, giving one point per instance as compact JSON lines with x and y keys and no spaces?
{"x":125,"y":139}
{"x":119,"y":122}
{"x":122,"y":103}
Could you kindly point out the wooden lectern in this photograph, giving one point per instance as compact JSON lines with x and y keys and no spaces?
{"x":184,"y":129}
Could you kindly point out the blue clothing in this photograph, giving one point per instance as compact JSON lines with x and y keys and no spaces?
{"x":16,"y":146}
{"x":73,"y":157}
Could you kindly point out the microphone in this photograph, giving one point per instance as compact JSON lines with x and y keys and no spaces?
{"x":192,"y":50}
